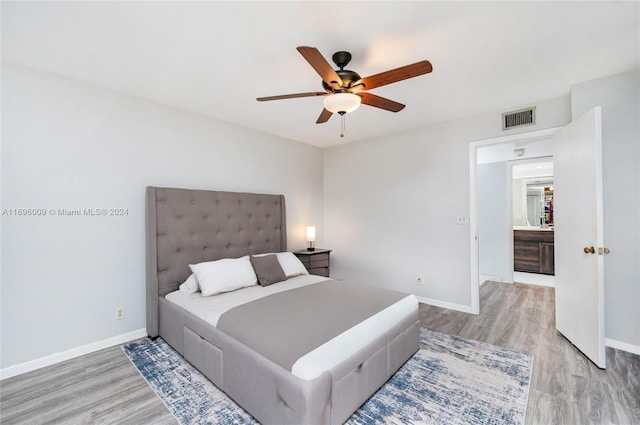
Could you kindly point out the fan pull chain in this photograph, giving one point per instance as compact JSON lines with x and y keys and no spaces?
{"x":342,"y":125}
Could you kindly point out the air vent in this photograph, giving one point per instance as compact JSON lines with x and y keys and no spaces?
{"x":519,"y":118}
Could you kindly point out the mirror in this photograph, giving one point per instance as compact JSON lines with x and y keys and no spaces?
{"x":533,"y":194}
{"x":534,"y":204}
{"x":540,"y":203}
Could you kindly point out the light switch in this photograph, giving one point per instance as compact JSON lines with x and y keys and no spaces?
{"x":462,"y":219}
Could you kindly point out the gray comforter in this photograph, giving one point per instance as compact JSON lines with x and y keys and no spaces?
{"x":285,"y":326}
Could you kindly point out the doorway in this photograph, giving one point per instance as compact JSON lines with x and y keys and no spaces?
{"x":533,"y":211}
{"x":579,"y":291}
{"x":509,"y":147}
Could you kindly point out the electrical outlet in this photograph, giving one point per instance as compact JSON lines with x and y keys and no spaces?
{"x":419,"y":281}
{"x":462,"y":219}
{"x":119,"y":313}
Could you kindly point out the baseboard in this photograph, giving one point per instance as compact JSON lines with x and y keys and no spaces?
{"x":624,"y":346}
{"x":534,"y":279}
{"x":444,"y":304}
{"x":486,"y":277}
{"x":25,"y":367}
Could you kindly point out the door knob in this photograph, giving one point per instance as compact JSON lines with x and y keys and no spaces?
{"x":589,"y":250}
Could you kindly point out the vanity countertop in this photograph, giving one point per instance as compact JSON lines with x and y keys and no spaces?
{"x":532,"y":228}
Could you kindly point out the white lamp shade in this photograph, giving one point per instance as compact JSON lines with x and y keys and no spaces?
{"x":341,"y":102}
{"x":311,"y":233}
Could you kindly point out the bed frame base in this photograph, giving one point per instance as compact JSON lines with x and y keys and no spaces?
{"x":272,"y":394}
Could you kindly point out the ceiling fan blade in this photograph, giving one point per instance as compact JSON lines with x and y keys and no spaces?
{"x":395,"y":75}
{"x":320,"y":64}
{"x":381,"y":102}
{"x":292,"y":96}
{"x":324,"y":116}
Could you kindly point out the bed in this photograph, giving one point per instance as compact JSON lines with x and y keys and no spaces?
{"x":324,"y":385}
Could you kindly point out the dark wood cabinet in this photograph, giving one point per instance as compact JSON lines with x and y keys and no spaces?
{"x":546,"y":258}
{"x":316,"y":262}
{"x":533,"y":251}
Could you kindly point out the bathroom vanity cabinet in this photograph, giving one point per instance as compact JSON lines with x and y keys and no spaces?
{"x":533,"y":251}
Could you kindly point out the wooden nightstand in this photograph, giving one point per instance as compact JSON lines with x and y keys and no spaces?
{"x":316,"y":262}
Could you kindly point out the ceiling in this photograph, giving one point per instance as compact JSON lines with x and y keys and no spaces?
{"x":541,"y":147}
{"x":533,"y":171}
{"x":215,"y":58}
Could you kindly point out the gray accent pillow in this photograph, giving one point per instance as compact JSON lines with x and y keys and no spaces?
{"x":268,"y":269}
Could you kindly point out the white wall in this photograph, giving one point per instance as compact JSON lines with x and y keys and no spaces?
{"x":391,"y":204}
{"x":619,"y":97}
{"x":66,"y":144}
{"x":493,"y":220}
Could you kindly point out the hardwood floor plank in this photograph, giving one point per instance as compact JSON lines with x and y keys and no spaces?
{"x":93,"y":388}
{"x":147,"y":408}
{"x":553,"y":376}
{"x":623,"y":370}
{"x":87,"y":390}
{"x":545,"y":409}
{"x":593,"y":402}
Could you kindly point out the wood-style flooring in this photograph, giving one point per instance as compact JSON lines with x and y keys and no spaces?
{"x":97,"y":388}
{"x":104,"y":388}
{"x":566,"y":387}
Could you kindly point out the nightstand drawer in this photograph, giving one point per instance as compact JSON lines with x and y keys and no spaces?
{"x":321,"y":263}
{"x":324,"y":271}
{"x":320,"y":256}
{"x":316,"y":262}
{"x":323,"y":256}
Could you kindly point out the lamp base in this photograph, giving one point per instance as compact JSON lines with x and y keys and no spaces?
{"x":311,"y":248}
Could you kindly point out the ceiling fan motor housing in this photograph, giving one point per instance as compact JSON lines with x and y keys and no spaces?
{"x":349,"y":80}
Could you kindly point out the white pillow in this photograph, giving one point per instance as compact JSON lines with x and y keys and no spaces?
{"x":228,"y":274}
{"x":291,"y":265}
{"x":190,"y":285}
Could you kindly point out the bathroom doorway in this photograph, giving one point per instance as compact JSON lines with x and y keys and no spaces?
{"x":496,"y":155}
{"x":532,"y":209}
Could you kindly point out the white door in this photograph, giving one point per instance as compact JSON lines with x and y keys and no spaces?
{"x":579,"y":265}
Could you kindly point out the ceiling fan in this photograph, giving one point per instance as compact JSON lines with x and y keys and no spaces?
{"x":344,"y":90}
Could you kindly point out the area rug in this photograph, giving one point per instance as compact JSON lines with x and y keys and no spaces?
{"x":450,"y":380}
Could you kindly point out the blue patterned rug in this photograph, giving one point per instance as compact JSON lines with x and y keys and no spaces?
{"x":451,"y":380}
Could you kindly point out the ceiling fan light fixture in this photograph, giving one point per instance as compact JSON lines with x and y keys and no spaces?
{"x":341,"y":103}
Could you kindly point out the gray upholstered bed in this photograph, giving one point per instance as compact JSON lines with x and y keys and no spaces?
{"x":192,"y":226}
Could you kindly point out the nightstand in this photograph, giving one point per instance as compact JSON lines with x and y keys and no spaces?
{"x":316,"y":261}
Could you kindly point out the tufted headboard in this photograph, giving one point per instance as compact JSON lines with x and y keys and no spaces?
{"x":192,"y":226}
